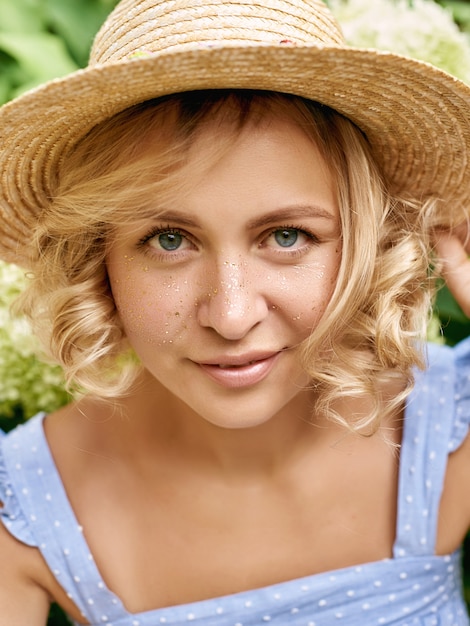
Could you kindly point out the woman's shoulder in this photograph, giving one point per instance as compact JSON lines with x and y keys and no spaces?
{"x":446,"y":384}
{"x":29,"y":521}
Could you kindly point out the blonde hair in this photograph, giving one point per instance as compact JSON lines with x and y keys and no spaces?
{"x":376,"y":320}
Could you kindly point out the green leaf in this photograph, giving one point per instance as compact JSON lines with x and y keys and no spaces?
{"x":40,"y":56}
{"x":77,"y":23}
{"x":7,"y":64}
{"x":57,"y":617}
{"x":460,"y":11}
{"x":5,"y":87}
{"x":21,"y":16}
{"x":12,"y":76}
{"x":448,"y":309}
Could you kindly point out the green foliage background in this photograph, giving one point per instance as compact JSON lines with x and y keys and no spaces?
{"x":44,"y":39}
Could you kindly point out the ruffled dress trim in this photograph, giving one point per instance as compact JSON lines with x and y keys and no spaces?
{"x":11,"y":512}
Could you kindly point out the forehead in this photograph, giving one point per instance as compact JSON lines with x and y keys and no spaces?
{"x":202,"y":133}
{"x":144,"y":154}
{"x":182,"y":118}
{"x":154,"y":138}
{"x":274,"y":148}
{"x":270,"y":173}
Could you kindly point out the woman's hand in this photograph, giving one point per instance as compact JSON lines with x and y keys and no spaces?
{"x":453,"y":248}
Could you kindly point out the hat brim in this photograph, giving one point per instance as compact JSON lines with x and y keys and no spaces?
{"x":416,"y":117}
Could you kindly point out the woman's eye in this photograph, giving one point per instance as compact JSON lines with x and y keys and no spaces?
{"x":291,"y":239}
{"x":286,"y":237}
{"x":167,"y":240}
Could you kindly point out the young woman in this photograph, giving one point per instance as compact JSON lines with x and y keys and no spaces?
{"x":232,"y":222}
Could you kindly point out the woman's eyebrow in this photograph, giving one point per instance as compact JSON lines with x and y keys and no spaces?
{"x":185,"y":219}
{"x":279,"y":215}
{"x":290,"y":213}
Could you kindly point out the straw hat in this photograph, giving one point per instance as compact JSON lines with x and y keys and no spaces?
{"x":416,"y":118}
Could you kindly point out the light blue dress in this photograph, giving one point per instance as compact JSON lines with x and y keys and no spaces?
{"x":414,"y":588}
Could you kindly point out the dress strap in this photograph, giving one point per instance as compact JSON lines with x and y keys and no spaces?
{"x":462,"y":394}
{"x":428,"y":427}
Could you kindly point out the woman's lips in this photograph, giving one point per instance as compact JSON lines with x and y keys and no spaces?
{"x":242,"y":373}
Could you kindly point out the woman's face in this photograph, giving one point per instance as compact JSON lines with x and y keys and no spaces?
{"x":217,"y":291}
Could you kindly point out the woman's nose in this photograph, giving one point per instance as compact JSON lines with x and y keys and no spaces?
{"x":232,"y":304}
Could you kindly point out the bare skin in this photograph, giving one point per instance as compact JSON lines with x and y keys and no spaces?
{"x":276,"y":496}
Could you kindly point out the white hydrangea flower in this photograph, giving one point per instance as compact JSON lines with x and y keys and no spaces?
{"x":27,"y":381}
{"x":420,"y":29}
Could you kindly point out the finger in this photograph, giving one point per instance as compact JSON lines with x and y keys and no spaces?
{"x":455,"y":268}
{"x":462,"y":231}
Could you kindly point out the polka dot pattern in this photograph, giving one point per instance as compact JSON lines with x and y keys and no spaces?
{"x":414,"y":588}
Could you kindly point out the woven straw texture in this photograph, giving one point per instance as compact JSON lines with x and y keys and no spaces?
{"x":416,"y":118}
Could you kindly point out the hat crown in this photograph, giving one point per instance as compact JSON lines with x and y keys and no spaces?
{"x":139,"y":27}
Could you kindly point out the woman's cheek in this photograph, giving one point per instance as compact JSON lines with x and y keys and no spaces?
{"x":152,"y":311}
{"x":304,"y":293}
